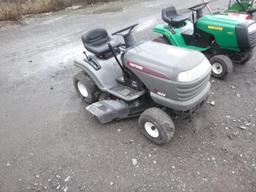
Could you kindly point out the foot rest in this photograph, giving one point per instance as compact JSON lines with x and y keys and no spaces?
{"x":126,"y":93}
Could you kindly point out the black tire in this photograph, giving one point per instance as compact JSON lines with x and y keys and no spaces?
{"x":250,"y":54}
{"x":161,"y":123}
{"x":242,"y":59}
{"x":92,"y":90}
{"x":221,"y":66}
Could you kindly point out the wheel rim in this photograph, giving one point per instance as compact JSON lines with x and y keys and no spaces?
{"x":151,"y":129}
{"x":217,"y":68}
{"x":82,"y":89}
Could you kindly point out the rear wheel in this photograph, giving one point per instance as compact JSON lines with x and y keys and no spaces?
{"x":86,"y":88}
{"x":157,"y":126}
{"x":221,"y":66}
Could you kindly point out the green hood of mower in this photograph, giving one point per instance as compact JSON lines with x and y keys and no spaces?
{"x":223,"y":28}
{"x":224,"y":20}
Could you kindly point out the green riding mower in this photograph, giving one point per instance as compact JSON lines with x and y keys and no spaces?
{"x":242,"y":8}
{"x":223,"y":39}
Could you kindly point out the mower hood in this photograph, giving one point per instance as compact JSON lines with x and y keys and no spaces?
{"x":164,"y":59}
{"x":230,"y":33}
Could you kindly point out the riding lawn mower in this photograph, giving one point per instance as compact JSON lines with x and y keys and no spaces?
{"x":150,"y":80}
{"x":223,"y":39}
{"x":241,"y":8}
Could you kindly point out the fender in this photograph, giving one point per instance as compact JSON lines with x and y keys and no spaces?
{"x":105,"y":77}
{"x":175,"y":37}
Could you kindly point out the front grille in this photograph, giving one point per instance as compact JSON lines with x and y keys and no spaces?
{"x":252,"y":39}
{"x":187,"y":92}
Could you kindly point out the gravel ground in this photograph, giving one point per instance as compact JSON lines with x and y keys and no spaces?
{"x":49,"y":142}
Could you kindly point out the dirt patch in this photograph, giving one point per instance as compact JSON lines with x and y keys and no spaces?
{"x":14,"y":9}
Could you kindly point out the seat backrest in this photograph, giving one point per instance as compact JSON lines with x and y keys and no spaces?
{"x":95,"y":37}
{"x":168,"y":13}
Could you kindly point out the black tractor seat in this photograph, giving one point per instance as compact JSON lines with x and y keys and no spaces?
{"x":97,"y":41}
{"x":171,"y":16}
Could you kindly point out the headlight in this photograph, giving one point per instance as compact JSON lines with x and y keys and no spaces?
{"x":252,"y":28}
{"x":196,"y":72}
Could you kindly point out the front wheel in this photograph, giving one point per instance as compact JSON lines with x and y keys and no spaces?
{"x":157,"y":126}
{"x":221,"y":66}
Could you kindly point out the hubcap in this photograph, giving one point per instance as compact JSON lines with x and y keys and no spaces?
{"x":151,"y":129}
{"x":217,"y":68}
{"x":82,"y":89}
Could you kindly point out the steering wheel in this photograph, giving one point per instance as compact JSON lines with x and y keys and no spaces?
{"x":198,"y":6}
{"x":129,"y":29}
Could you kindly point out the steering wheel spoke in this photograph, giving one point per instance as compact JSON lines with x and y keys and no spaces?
{"x":129,"y":29}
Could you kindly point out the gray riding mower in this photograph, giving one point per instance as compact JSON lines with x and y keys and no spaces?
{"x":150,"y":80}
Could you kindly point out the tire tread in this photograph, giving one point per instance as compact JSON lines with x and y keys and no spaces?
{"x":90,"y":85}
{"x":163,"y":119}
